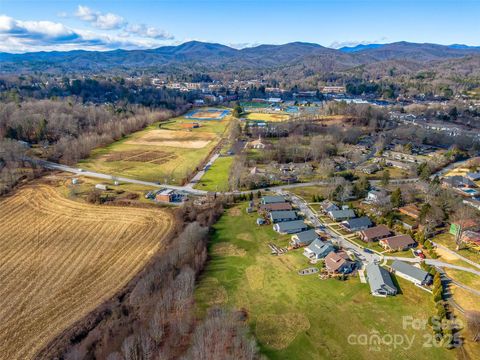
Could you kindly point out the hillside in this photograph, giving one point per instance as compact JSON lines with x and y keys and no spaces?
{"x":197,"y":55}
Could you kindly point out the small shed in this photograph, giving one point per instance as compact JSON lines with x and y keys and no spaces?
{"x":102,"y":187}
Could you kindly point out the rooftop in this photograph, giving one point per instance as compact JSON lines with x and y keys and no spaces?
{"x":409,"y":270}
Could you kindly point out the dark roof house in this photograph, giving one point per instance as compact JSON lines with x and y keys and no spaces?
{"x":380,"y":282}
{"x":375,"y":233}
{"x":282,"y":216}
{"x":282,"y":206}
{"x":458,"y":181}
{"x":290,"y":227}
{"x":357,"y":224}
{"x":304,"y":238}
{"x":397,"y":243}
{"x":272,"y":199}
{"x":338,"y":215}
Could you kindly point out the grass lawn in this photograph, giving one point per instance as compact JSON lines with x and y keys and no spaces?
{"x":303,"y":317}
{"x":446,"y":239}
{"x":158,"y":153}
{"x":216,"y":178}
{"x":267,"y":117}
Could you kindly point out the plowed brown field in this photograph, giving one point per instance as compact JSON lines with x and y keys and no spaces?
{"x":59,"y":259}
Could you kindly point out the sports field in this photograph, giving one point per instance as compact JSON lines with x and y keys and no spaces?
{"x":267,"y":117}
{"x":303,"y":317}
{"x":162,"y":152}
{"x":59,"y":259}
{"x":207,"y":114}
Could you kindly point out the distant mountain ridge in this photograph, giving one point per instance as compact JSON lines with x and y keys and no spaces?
{"x":201,"y":55}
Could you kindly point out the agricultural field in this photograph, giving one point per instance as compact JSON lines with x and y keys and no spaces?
{"x":59,"y":259}
{"x":267,"y":117}
{"x":304,"y":317}
{"x":163,"y":152}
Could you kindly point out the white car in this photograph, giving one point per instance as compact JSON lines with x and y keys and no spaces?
{"x":80,"y":170}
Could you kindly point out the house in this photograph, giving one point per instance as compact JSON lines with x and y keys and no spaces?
{"x":257,"y":144}
{"x":474,"y":176}
{"x":276,"y":207}
{"x":375,"y":233}
{"x":411,"y":210}
{"x":339,"y":263}
{"x":458,"y":181}
{"x":398,"y":243}
{"x":375,"y":196}
{"x":290,"y":227}
{"x":282,"y":216}
{"x":339,"y":215}
{"x":318,"y":249}
{"x":165,"y":195}
{"x":328,"y":206}
{"x":380,"y":282}
{"x":357,"y":224}
{"x":304,"y":238}
{"x":411,"y":273}
{"x":272,"y":200}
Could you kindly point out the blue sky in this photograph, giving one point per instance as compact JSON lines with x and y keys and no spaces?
{"x":102,"y":25}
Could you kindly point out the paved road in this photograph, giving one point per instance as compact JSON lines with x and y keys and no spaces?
{"x":198,"y":176}
{"x":454,"y":253}
{"x":54,"y":166}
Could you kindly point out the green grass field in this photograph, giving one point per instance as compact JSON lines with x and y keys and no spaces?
{"x":216,"y":178}
{"x":296,"y":317}
{"x":169,"y":151}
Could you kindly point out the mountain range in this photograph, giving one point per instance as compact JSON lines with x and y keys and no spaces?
{"x":201,"y":56}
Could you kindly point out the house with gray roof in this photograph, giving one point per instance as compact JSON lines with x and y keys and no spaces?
{"x":380,"y":282}
{"x":328,"y":206}
{"x":339,"y":215}
{"x":357,"y":224}
{"x":290,"y":227}
{"x":411,"y":273}
{"x":304,"y":238}
{"x":282,"y":216}
{"x":318,"y":249}
{"x":272,"y":200}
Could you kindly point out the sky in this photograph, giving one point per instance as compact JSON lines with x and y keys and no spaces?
{"x":45,"y":25}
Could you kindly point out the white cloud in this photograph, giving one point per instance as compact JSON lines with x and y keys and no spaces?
{"x":22,"y":36}
{"x":148,"y":31}
{"x":107,"y":21}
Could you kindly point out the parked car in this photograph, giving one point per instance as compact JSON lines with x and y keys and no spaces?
{"x":368,"y":251}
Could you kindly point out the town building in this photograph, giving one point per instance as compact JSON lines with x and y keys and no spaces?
{"x":283,"y":206}
{"x":272,"y":199}
{"x":411,"y":210}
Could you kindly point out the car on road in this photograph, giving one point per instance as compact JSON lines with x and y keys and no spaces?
{"x":80,"y":170}
{"x":368,"y":251}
